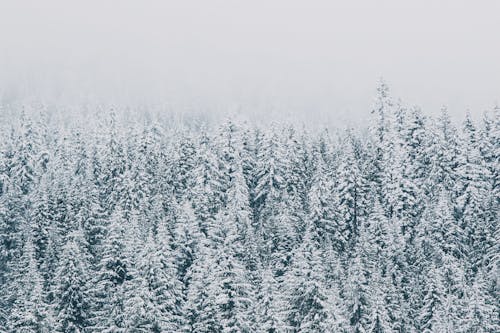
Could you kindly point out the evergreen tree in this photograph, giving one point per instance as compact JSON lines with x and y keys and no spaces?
{"x":269,"y":304}
{"x":108,"y":282}
{"x":141,"y":313}
{"x":72,"y":303}
{"x":482,"y":312}
{"x":200,"y":308}
{"x":233,"y":292}
{"x":351,"y":194}
{"x":30,"y":311}
{"x":310,"y":306}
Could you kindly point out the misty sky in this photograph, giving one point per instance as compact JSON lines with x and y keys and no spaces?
{"x":310,"y":56}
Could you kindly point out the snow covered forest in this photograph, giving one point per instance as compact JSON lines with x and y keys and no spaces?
{"x":113,"y":225}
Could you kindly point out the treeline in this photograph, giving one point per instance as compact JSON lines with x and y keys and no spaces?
{"x":149,"y":227}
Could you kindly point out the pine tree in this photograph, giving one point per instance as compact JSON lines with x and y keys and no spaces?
{"x":200,"y":308}
{"x":207,"y":193}
{"x":277,"y":251}
{"x":139,"y":310}
{"x":428,"y":314}
{"x":270,"y":182}
{"x":41,"y":220}
{"x":482,"y":312}
{"x":108,"y":282}
{"x":182,"y":168}
{"x":186,"y":237}
{"x":357,"y":294}
{"x":13,"y":208}
{"x":330,"y":226}
{"x":417,"y":141}
{"x":24,"y":159}
{"x":30,"y":311}
{"x":473,"y":187}
{"x":268,"y":302}
{"x":233,"y":292}
{"x":351,"y":193}
{"x":380,"y":128}
{"x":444,"y":148}
{"x":380,"y":320}
{"x":310,"y":306}
{"x":72,"y":303}
{"x":161,"y":274}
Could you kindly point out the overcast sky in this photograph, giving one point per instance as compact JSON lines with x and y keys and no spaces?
{"x":304,"y":55}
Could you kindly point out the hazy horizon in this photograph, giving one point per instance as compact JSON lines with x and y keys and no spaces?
{"x":314,"y":58}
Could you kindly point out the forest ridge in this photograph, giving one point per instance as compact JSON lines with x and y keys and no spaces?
{"x":150,"y":227}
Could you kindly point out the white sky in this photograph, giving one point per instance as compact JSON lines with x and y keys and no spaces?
{"x":305,"y":55}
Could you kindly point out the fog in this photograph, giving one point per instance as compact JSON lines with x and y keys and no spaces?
{"x":312,"y":57}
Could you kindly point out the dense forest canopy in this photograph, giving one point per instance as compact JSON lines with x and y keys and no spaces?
{"x":155,"y":226}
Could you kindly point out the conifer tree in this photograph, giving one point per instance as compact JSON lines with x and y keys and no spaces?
{"x":72,"y":302}
{"x":30,"y":311}
{"x":481,"y":310}
{"x":328,"y":225}
{"x":310,"y":305}
{"x":269,"y":304}
{"x":108,"y":282}
{"x":161,"y":273}
{"x":351,"y":193}
{"x":231,"y":288}
{"x":207,"y":196}
{"x":431,"y":303}
{"x":141,"y":313}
